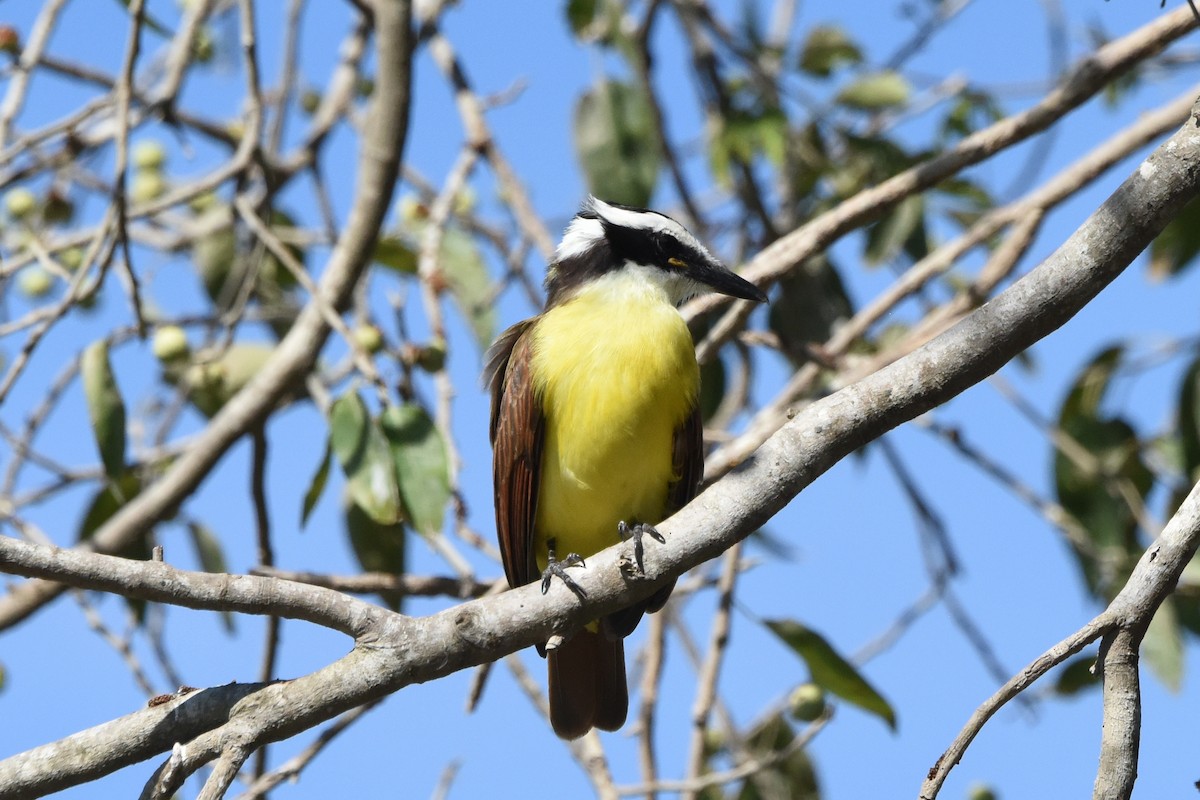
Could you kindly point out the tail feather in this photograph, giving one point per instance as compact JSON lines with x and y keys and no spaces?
{"x":587,"y":685}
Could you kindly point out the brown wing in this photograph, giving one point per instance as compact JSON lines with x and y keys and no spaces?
{"x":689,"y":466}
{"x":518,"y":433}
{"x":689,"y":462}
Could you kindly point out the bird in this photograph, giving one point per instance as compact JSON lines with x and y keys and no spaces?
{"x":596,"y":428}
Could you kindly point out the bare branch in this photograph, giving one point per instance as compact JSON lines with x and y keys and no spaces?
{"x":378,"y":167}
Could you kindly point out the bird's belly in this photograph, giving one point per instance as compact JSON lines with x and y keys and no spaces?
{"x":612,"y":400}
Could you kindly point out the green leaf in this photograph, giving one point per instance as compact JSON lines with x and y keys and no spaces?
{"x":316,"y":486}
{"x":743,"y":136}
{"x":378,"y":547}
{"x":111,"y":498}
{"x":105,"y":407}
{"x":826,"y":49}
{"x":1176,"y":247}
{"x":394,"y":253}
{"x":1187,"y":595}
{"x":211,"y":385}
{"x":712,"y":387}
{"x":107,"y":502}
{"x":794,"y":777}
{"x":968,"y":202}
{"x":812,"y":301}
{"x":616,"y":143}
{"x":208,"y":548}
{"x":580,"y":14}
{"x":363,"y":452}
{"x":876,"y":91}
{"x":422,"y":465}
{"x":212,"y":559}
{"x":868,"y":160}
{"x":830,"y":671}
{"x":1091,"y":491}
{"x":1077,"y":676}
{"x":214,"y":256}
{"x":1090,"y":387}
{"x":470,"y":284}
{"x":1188,"y":415}
{"x":972,"y":111}
{"x":1162,"y":647}
{"x":902,"y":228}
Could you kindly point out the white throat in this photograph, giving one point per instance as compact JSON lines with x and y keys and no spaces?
{"x":637,"y":282}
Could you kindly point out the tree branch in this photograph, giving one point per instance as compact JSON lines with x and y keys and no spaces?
{"x":395,"y":651}
{"x":1089,"y":77}
{"x":1124,"y":621}
{"x":379,"y":163}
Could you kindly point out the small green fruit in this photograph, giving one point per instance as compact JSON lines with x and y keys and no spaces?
{"x":364,"y":86}
{"x":981,"y":791}
{"x":203,"y":46}
{"x":71,"y":258}
{"x":35,"y":282}
{"x":432,"y":357}
{"x":57,"y":208}
{"x":464,"y":201}
{"x":203,"y":202}
{"x":807,"y":702}
{"x":369,"y":338}
{"x":19,"y":202}
{"x":412,"y":209}
{"x":147,"y":186}
{"x":715,"y":740}
{"x":170,"y":343}
{"x":310,"y":100}
{"x":149,"y":155}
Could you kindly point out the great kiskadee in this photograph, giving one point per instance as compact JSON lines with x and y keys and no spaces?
{"x":596,"y":426}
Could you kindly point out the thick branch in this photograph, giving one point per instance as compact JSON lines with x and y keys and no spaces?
{"x":1121,"y":732}
{"x":98,"y":751}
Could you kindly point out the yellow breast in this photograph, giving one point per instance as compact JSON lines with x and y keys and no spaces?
{"x":616,"y":373}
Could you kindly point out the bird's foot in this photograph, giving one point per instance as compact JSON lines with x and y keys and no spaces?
{"x":635,"y":532}
{"x":555,"y":568}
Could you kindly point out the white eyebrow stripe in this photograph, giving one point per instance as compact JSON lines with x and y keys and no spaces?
{"x":647,"y":221}
{"x":581,"y":235}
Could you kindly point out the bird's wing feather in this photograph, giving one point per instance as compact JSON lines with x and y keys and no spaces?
{"x":689,"y":461}
{"x":518,"y":431}
{"x":689,"y":466}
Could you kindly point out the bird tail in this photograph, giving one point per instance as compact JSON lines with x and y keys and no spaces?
{"x":587,"y":685}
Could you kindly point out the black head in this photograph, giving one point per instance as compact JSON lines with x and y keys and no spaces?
{"x":605,"y":237}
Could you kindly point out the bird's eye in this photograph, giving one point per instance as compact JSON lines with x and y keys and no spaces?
{"x":678,"y":263}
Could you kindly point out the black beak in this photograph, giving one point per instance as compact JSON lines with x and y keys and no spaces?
{"x":724,"y":281}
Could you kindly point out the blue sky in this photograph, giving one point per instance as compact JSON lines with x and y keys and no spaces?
{"x":857,"y":554}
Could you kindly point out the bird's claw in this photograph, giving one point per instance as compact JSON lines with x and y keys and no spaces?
{"x":635,"y":532}
{"x":555,"y":568}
